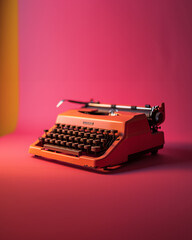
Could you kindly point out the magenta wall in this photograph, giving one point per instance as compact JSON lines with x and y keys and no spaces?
{"x":125,"y":52}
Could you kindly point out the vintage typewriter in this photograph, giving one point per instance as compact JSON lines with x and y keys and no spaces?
{"x":101,"y":136}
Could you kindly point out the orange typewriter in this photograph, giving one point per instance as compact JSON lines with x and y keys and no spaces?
{"x":101,"y":136}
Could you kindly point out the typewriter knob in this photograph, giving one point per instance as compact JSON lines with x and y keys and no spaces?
{"x":158,"y":117}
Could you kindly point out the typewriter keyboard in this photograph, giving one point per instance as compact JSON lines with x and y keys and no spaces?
{"x":78,"y":140}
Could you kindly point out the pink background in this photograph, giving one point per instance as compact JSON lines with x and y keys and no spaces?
{"x":125,"y":52}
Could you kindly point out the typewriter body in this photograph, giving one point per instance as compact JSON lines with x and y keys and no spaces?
{"x":101,"y":136}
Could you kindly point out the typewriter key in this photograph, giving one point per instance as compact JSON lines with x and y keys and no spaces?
{"x":69,"y":144}
{"x":89,"y":141}
{"x":87,"y":147}
{"x":75,"y":145}
{"x":72,"y":138}
{"x":95,"y":149}
{"x":77,"y":139}
{"x":80,"y":146}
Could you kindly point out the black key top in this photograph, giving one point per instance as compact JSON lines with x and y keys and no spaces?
{"x":49,"y":135}
{"x":69,"y":144}
{"x":87,"y":147}
{"x":87,"y":135}
{"x":74,"y":145}
{"x":66,"y":137}
{"x":83,"y":140}
{"x":55,"y":135}
{"x":46,"y":140}
{"x":63,"y":143}
{"x":81,"y":146}
{"x":61,"y":136}
{"x":101,"y":130}
{"x":77,"y":139}
{"x":80,"y":134}
{"x":114,"y":131}
{"x":52,"y":141}
{"x":72,"y":138}
{"x":99,"y":136}
{"x":75,"y":133}
{"x":90,"y":141}
{"x":95,"y":149}
{"x":96,"y":142}
{"x":57,"y":125}
{"x":106,"y":131}
{"x":103,"y":140}
{"x":57,"y":142}
{"x":93,"y":135}
{"x":64,"y":131}
{"x":70,"y":151}
{"x":70,"y":132}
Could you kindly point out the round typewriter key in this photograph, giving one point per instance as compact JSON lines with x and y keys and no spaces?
{"x":72,"y":138}
{"x":77,"y":139}
{"x":106,"y":131}
{"x":57,"y":142}
{"x":49,"y":135}
{"x":55,"y":135}
{"x":96,"y":142}
{"x":99,"y":136}
{"x":101,"y":130}
{"x":69,"y":144}
{"x":60,"y":136}
{"x":81,"y":134}
{"x":59,"y":130}
{"x":52,"y":141}
{"x":46,"y":140}
{"x":57,"y":125}
{"x":93,"y":135}
{"x":95,"y":149}
{"x":114,"y":131}
{"x":54,"y":130}
{"x":89,"y":141}
{"x":66,"y":137}
{"x":75,"y":133}
{"x":103,"y":140}
{"x":83,"y":140}
{"x":46,"y":130}
{"x":75,"y":145}
{"x":64,"y":131}
{"x":70,"y":132}
{"x":63,"y":143}
{"x":80,"y":146}
{"x":87,"y":147}
{"x":87,"y":135}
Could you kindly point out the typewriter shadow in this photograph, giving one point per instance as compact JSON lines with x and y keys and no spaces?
{"x":173,"y":156}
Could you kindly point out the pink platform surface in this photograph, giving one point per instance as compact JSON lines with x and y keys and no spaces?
{"x":119,"y":52}
{"x":150,"y":198}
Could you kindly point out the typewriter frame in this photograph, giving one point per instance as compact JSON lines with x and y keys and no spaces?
{"x":138,"y":129}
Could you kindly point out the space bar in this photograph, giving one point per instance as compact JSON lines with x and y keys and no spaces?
{"x":70,"y":151}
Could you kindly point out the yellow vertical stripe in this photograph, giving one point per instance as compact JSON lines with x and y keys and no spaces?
{"x":8,"y":65}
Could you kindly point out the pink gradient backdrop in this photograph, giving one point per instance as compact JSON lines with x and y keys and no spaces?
{"x":125,"y":52}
